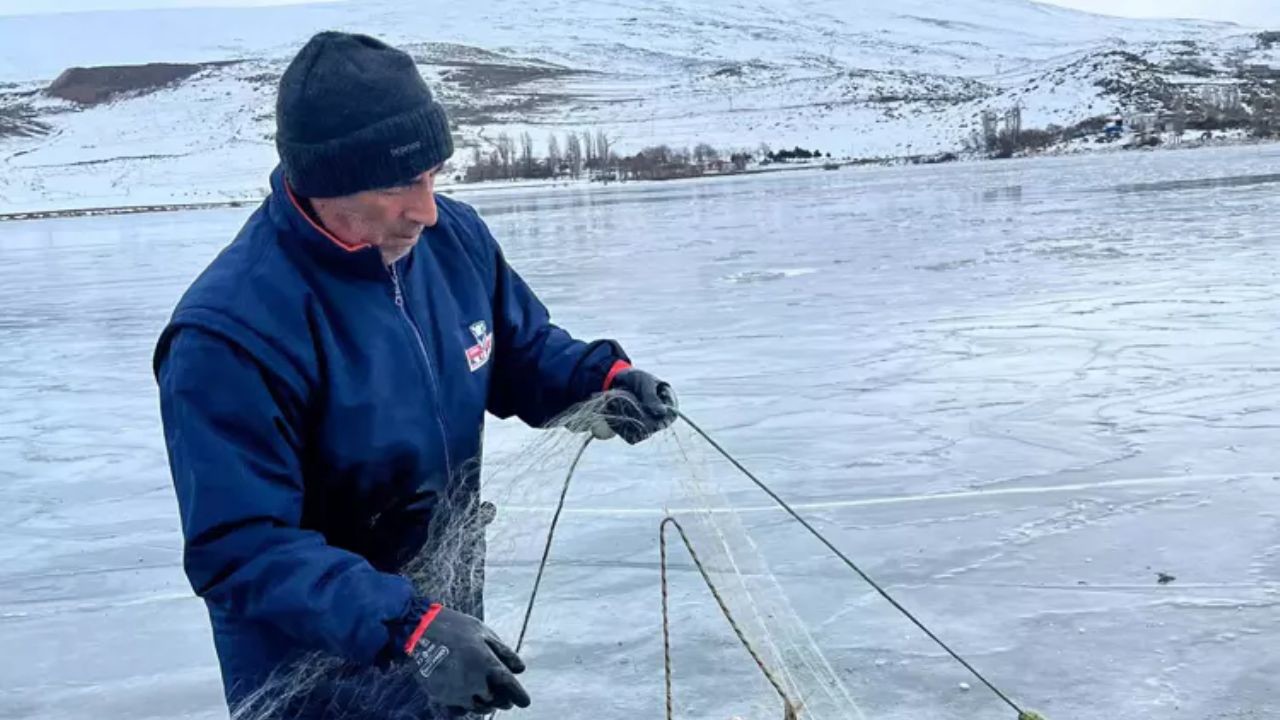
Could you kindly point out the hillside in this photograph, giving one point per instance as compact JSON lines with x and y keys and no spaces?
{"x":194,"y":122}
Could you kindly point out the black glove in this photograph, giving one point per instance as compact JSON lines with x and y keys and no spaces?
{"x":639,"y":405}
{"x":462,"y":666}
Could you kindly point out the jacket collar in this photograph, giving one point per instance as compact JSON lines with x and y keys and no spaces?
{"x":297,"y":228}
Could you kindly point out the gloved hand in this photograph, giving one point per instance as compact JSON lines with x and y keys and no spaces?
{"x":638,"y":405}
{"x":462,"y":666}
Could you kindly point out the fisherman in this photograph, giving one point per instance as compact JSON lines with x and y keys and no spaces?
{"x":323,"y":385}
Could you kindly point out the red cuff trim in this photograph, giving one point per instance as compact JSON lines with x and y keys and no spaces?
{"x":618,"y":367}
{"x":427,"y":618}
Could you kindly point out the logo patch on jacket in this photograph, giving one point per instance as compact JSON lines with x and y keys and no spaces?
{"x":478,"y":354}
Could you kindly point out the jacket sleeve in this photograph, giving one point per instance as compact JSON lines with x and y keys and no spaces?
{"x":233,"y":443}
{"x":540,"y":371}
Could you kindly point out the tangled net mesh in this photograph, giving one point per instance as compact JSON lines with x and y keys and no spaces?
{"x":594,"y":647}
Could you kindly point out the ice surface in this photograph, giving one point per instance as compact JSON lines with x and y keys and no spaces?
{"x":1015,"y":392}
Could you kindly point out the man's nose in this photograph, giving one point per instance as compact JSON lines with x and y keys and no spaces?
{"x":422,"y":205}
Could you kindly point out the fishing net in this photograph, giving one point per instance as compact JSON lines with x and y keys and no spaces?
{"x":754,"y":599}
{"x":595,"y":645}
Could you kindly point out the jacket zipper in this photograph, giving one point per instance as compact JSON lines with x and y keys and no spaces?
{"x":422,"y":347}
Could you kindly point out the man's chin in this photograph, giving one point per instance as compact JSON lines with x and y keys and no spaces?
{"x":401,"y":243}
{"x":396,"y":248}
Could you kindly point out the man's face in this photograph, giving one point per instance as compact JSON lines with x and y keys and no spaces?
{"x":389,"y":219}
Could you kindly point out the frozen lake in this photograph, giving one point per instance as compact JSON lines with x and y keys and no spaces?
{"x":1015,"y":392}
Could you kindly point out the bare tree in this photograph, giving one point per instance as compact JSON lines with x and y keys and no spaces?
{"x":495,"y":166}
{"x":603,"y":150}
{"x":573,"y":154}
{"x":1013,"y":122}
{"x":704,"y":154}
{"x":588,"y":150}
{"x":477,"y":169}
{"x":553,"y":155}
{"x":526,"y":154}
{"x":506,"y":153}
{"x":1262,"y":124}
{"x":990,"y":129}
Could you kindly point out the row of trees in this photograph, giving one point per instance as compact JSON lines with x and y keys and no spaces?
{"x":1201,"y":109}
{"x":662,"y":162}
{"x":1002,"y":134}
{"x":514,"y":157}
{"x":576,"y":154}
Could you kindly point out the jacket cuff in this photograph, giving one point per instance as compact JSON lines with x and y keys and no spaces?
{"x":402,"y":629}
{"x":618,"y":367}
{"x":593,"y":367}
{"x":424,"y":622}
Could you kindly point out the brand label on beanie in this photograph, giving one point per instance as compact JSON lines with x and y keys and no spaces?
{"x":405,"y":149}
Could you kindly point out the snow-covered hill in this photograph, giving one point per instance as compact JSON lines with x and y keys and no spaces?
{"x":852,"y":79}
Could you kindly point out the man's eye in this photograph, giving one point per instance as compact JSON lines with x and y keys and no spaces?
{"x":414,"y":183}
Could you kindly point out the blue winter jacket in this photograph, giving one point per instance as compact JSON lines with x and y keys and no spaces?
{"x":317,"y":406}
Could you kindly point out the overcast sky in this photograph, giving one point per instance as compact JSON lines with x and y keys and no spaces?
{"x":1246,"y":12}
{"x":24,"y":7}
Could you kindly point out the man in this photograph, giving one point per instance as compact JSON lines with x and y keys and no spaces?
{"x":323,"y":385}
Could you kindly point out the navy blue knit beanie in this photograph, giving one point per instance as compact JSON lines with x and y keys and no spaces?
{"x":354,"y":114}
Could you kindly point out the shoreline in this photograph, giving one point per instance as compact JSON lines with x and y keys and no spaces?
{"x":499,"y":185}
{"x":450,"y":189}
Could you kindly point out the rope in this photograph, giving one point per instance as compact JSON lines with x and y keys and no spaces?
{"x":851,"y":565}
{"x":788,"y":705}
{"x":546,"y":550}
